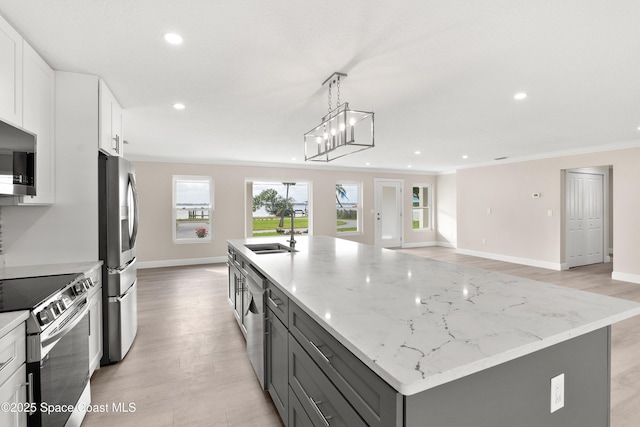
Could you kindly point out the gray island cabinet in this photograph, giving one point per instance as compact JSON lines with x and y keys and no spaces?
{"x":362,"y":336}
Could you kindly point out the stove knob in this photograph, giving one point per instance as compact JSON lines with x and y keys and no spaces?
{"x":89,"y":282}
{"x":43,"y":317}
{"x":79,"y":288}
{"x":52,"y":311}
{"x":58,"y":306}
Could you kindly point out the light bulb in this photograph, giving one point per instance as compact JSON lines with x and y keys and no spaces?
{"x":172,"y":38}
{"x":352,"y":121}
{"x":326,"y":135}
{"x":333,"y":131}
{"x":342,"y":127}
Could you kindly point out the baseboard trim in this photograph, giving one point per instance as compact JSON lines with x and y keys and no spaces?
{"x":181,"y":262}
{"x":446,"y":244}
{"x":427,"y":244}
{"x":625,"y":277}
{"x":418,"y":245}
{"x":511,"y":259}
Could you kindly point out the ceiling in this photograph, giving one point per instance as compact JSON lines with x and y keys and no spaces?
{"x":440,"y":76}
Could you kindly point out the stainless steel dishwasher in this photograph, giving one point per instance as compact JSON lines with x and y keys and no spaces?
{"x":255,"y":321}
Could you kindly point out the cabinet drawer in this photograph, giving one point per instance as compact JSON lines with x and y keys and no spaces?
{"x":376,"y":402}
{"x":277,"y":347}
{"x":297,"y":416}
{"x":278,"y":302}
{"x":12,"y":351}
{"x":322,"y":402}
{"x":13,"y":393}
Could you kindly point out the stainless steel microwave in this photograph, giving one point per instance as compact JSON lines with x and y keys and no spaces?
{"x":17,"y":161}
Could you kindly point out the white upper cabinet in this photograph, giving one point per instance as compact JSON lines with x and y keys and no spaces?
{"x":38,"y":117}
{"x":10,"y":74}
{"x":111,"y":141}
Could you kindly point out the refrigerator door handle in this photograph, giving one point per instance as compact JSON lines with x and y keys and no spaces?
{"x":134,"y":200}
{"x":121,"y":269}
{"x":125,"y":295}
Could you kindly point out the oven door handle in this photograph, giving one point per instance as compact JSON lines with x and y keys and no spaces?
{"x":68,"y":327}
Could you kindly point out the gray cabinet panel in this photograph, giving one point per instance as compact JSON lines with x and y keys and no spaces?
{"x":278,"y":302}
{"x":376,"y":402}
{"x":322,"y":402}
{"x":277,"y":363}
{"x":518,"y":392}
{"x":297,"y":416}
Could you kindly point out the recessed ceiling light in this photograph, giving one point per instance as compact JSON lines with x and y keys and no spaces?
{"x":464,"y":156}
{"x":367,"y":164}
{"x":179,"y":106}
{"x":638,"y":127}
{"x":417,"y":152}
{"x":409,"y":166}
{"x":520,"y":95}
{"x":172,"y":38}
{"x":293,"y":158}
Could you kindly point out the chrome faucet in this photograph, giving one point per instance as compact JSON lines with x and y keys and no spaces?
{"x":292,"y":240}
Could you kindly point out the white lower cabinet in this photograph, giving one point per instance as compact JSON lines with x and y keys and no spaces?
{"x":95,"y":322}
{"x":13,"y":374}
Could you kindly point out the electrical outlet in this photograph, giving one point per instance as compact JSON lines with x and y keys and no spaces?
{"x":557,"y":393}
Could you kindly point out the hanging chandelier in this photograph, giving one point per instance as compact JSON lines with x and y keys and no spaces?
{"x":342,"y":131}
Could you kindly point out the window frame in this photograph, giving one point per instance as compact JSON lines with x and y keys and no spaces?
{"x":359,"y":222}
{"x":174,"y":210}
{"x":429,"y":206}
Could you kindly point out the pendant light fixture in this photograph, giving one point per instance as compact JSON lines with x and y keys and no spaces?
{"x":342,"y":131}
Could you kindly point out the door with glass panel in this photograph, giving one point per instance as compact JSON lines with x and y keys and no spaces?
{"x":388,"y":206}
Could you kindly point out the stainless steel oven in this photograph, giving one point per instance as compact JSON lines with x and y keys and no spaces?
{"x":57,"y":345}
{"x":58,"y":369}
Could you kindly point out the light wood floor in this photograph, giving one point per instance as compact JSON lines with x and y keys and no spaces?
{"x":188,"y":366}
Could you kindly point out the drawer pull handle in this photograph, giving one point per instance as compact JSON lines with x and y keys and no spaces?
{"x":324,"y":356}
{"x":325,"y":418}
{"x":272,"y":301}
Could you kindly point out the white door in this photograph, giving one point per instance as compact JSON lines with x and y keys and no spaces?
{"x":388,"y":205}
{"x":585,"y":211}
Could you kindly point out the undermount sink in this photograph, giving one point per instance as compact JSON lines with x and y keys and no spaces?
{"x":269,"y":248}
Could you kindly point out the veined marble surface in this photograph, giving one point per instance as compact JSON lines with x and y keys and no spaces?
{"x":419,"y":323}
{"x":48,"y":269}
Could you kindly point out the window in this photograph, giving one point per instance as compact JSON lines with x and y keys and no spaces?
{"x":348,"y":207}
{"x":272,"y":202}
{"x":192,"y":209}
{"x":421,"y":214}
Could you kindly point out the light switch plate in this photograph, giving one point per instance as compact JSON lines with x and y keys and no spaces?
{"x":557,"y":393}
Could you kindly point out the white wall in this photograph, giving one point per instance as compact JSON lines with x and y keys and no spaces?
{"x":68,"y":230}
{"x":445,"y":204}
{"x":518,"y":227}
{"x":155,"y":245}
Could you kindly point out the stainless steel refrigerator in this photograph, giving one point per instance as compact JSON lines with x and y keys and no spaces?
{"x":118,"y":212}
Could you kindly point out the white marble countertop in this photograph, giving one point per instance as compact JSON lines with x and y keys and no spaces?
{"x":419,"y":323}
{"x":10,"y":320}
{"x":48,"y":269}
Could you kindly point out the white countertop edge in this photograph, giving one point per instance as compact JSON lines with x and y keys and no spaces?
{"x":48,"y":269}
{"x":414,"y":387}
{"x":11,"y":319}
{"x":436,"y":380}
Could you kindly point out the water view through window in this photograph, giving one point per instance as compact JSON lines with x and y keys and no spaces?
{"x":272,"y":202}
{"x":193,"y":208}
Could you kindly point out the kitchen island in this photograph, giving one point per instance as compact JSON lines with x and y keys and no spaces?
{"x":433,"y":343}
